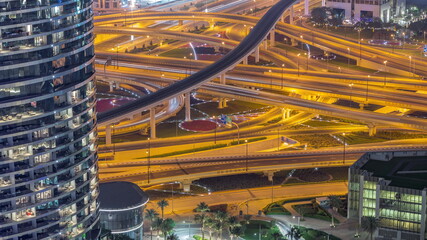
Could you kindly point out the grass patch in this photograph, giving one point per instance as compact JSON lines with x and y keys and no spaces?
{"x":317,"y":140}
{"x":177,"y":53}
{"x":249,"y":140}
{"x":312,"y":234}
{"x":211,"y":108}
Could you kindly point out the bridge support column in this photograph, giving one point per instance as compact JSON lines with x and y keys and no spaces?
{"x":306,"y":6}
{"x":224,"y":102}
{"x":272,"y":38}
{"x":111,"y":86}
{"x":372,"y":129}
{"x":108,"y":134}
{"x":187,"y":99}
{"x":257,"y":54}
{"x":222,"y":78}
{"x":294,"y":42}
{"x":180,"y":22}
{"x":265,"y":43}
{"x":291,"y":14}
{"x":220,"y":101}
{"x":286,"y":113}
{"x":270,"y":175}
{"x":186,"y":185}
{"x":152,"y":123}
{"x":361,"y":106}
{"x":282,"y":18}
{"x":245,"y":60}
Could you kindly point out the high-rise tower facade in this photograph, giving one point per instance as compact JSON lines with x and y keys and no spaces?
{"x":48,"y":159}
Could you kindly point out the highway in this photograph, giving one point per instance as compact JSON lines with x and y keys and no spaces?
{"x":321,"y":40}
{"x":257,"y":35}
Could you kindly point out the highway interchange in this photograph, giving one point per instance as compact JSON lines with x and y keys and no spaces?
{"x":241,"y":78}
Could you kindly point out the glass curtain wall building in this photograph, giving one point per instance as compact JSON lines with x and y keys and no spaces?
{"x":391,"y":187}
{"x":48,"y":159}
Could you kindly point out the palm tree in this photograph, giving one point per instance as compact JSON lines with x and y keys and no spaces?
{"x":335,"y":202}
{"x":236,"y":231}
{"x":209,"y":222}
{"x":370,"y":225}
{"x":294,"y":233}
{"x":217,"y":226}
{"x":156,"y":225}
{"x":151,"y":215}
{"x":167,"y":226}
{"x":201,"y":218}
{"x":222,"y":218}
{"x":173,"y":236}
{"x":162,"y":204}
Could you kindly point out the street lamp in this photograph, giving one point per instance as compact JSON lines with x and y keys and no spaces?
{"x":238,"y":132}
{"x":308,"y":56}
{"x":114,"y":145}
{"x":271,"y":79}
{"x":343,"y":158}
{"x":367,"y":86}
{"x":351,"y":90}
{"x":360,"y":45}
{"x":117,"y":56}
{"x":298,"y":217}
{"x":298,"y":62}
{"x":385,"y":73}
{"x":348,"y":58}
{"x":148,"y":160}
{"x":246,"y":141}
{"x":283,"y":65}
{"x":410,"y":66}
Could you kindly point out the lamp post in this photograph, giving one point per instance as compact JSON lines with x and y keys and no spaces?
{"x":117,"y":56}
{"x":283,"y":65}
{"x":343,"y":154}
{"x":367,"y":86}
{"x":191,"y":66}
{"x":306,"y":65}
{"x":351,"y":91}
{"x":271,"y":79}
{"x":298,"y":62}
{"x":360,"y":45}
{"x":385,"y":73}
{"x":114,"y":145}
{"x":238,"y":132}
{"x":348,"y":58}
{"x":246,"y":141}
{"x":148,"y":160}
{"x":410,"y":66}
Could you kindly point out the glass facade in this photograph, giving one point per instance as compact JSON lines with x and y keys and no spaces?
{"x":401,"y":211}
{"x":48,"y":160}
{"x":128,"y":222}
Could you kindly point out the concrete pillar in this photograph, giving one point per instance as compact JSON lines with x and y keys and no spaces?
{"x":222,"y":79}
{"x":286,"y":113}
{"x":282,"y":18}
{"x":257,"y":54}
{"x":224,"y":102}
{"x":111,"y":86}
{"x":372,"y":129}
{"x":306,"y":6}
{"x":220,"y":101}
{"x":152,"y":123}
{"x":187,"y":99}
{"x":272,"y":38}
{"x":270,"y":175}
{"x":180,"y":22}
{"x":265,"y":43}
{"x":245,"y":60}
{"x":291,"y":14}
{"x":108,"y":134}
{"x":186,"y":185}
{"x":294,"y":42}
{"x":361,"y":106}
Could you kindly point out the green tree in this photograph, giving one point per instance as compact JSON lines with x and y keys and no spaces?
{"x":151,"y":215}
{"x":221,"y":217}
{"x":166,"y":227}
{"x":201,"y":208}
{"x":247,"y":218}
{"x":236,"y":231}
{"x":320,"y":15}
{"x":173,"y":236}
{"x":335,"y":202}
{"x":209,"y":223}
{"x":294,"y":233}
{"x":156,"y":225}
{"x":162,"y":204}
{"x":370,"y":225}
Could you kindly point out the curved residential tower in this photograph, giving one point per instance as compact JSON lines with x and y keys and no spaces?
{"x":48,"y":160}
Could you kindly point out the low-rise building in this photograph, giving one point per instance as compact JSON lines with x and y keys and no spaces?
{"x":122,"y":207}
{"x":390,"y":186}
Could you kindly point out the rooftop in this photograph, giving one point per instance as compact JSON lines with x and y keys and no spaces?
{"x":120,"y":195}
{"x":406,"y":172}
